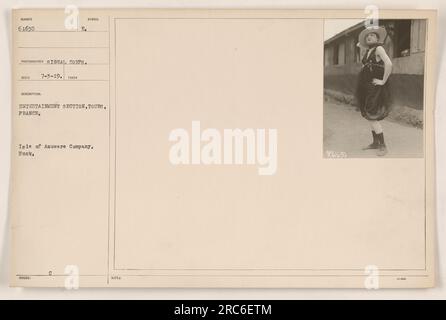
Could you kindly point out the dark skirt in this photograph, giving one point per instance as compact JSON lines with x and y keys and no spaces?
{"x":374,"y":101}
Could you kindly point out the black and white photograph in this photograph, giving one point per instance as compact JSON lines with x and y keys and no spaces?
{"x":373,"y":88}
{"x":222,"y":159}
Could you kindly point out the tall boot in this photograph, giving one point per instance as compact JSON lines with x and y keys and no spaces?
{"x":382,"y":149}
{"x":374,"y":144}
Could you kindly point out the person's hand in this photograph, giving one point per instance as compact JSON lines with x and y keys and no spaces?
{"x":378,"y":82}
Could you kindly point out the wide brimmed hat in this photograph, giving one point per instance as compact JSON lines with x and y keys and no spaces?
{"x":380,"y":31}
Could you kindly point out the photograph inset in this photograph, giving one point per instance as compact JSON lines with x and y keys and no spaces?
{"x":373,"y":88}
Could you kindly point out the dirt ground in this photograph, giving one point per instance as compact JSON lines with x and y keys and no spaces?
{"x":346,"y":132}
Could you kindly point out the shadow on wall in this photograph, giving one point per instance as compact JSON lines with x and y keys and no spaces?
{"x":407,"y":89}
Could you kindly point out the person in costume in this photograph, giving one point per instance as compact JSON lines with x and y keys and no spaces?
{"x":373,"y":92}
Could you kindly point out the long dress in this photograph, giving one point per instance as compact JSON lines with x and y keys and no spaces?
{"x":374,"y":101}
